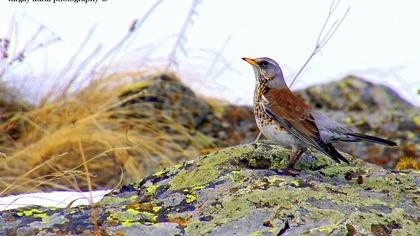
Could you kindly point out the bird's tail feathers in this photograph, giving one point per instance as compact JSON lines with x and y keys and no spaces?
{"x":330,"y":150}
{"x":373,"y":139}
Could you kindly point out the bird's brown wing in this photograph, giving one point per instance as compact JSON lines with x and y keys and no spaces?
{"x":284,"y":104}
{"x":293,"y":114}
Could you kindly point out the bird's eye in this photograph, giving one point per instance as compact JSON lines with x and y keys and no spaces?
{"x":264,"y":64}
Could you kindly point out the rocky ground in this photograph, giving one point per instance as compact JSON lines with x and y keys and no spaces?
{"x":241,"y":190}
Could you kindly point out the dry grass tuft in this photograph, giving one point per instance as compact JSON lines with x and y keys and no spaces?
{"x":113,"y":137}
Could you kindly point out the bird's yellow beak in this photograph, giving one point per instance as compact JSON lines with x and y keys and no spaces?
{"x":250,"y":61}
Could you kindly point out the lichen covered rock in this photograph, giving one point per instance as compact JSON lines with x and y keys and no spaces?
{"x":353,"y":94}
{"x":241,"y":190}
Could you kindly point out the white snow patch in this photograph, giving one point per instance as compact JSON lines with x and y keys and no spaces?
{"x":59,"y":199}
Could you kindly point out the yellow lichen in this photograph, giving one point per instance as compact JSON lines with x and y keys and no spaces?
{"x":151,"y":189}
{"x":177,"y":166}
{"x":347,"y":121}
{"x":128,"y":223}
{"x":135,"y":185}
{"x":275,"y":179}
{"x":198,"y":187}
{"x":295,"y":183}
{"x":327,"y":229}
{"x":417,"y":120}
{"x":133,"y":212}
{"x":190,"y":198}
{"x":28,"y":212}
{"x":272,"y":230}
{"x":132,"y":198}
{"x":407,"y":163}
{"x":411,"y":135}
{"x":110,"y":219}
{"x":42,"y":216}
{"x":149,"y":216}
{"x":159,"y":173}
{"x":156,"y":208}
{"x":255,"y":233}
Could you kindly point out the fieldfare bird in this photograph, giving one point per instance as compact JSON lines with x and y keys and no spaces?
{"x":285,"y":118}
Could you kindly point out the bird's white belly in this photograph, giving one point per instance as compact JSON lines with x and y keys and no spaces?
{"x":279,"y":136}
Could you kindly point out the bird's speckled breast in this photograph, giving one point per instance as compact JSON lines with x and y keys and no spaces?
{"x":267,"y":125}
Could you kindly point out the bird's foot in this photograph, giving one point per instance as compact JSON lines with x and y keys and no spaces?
{"x":290,"y":171}
{"x":254,"y":144}
{"x":256,"y":141}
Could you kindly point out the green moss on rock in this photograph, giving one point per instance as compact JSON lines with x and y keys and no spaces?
{"x":206,"y":169}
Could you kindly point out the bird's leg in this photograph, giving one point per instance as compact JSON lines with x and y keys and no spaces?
{"x":258,"y":137}
{"x":256,"y":140}
{"x":295,"y":157}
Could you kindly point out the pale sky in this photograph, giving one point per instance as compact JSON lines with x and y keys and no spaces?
{"x":378,"y":40}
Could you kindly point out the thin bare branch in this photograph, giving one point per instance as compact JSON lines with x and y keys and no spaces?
{"x":218,"y":56}
{"x":333,"y":30}
{"x":180,"y":39}
{"x":323,"y":39}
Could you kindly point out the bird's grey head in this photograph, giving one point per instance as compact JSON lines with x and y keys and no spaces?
{"x":267,"y":71}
